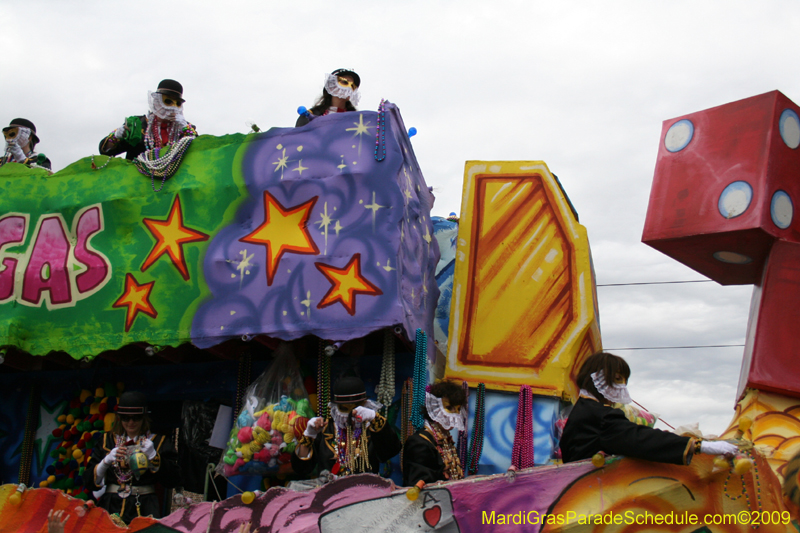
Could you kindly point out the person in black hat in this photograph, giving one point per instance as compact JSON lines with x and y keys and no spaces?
{"x":21,"y":140}
{"x":355,"y":438}
{"x":340,"y":94}
{"x":163,"y":125}
{"x":429,"y":454}
{"x":130,"y":461}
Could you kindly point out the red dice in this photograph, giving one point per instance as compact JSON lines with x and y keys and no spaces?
{"x":725,"y":184}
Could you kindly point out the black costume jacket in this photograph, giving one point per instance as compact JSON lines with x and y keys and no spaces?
{"x":167,"y":475}
{"x":593,"y":427}
{"x":421,"y":459}
{"x":383,"y":444}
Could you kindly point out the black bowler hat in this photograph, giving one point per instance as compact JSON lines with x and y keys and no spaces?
{"x":349,"y":390}
{"x":171,"y":88}
{"x":23,"y":123}
{"x":132,"y":403}
{"x":348,"y":72}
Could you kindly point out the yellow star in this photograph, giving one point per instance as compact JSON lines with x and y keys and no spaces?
{"x":170,"y":236}
{"x":324,"y":223}
{"x":283,"y":230}
{"x":360,"y":129}
{"x":346,"y":282}
{"x":137,"y":299}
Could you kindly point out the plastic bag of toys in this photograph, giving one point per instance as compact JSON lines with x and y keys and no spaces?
{"x":274,"y":414}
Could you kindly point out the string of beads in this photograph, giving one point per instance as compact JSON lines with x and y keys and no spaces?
{"x":463,"y":436}
{"x":420,"y":379}
{"x":522,"y":452}
{"x":476,"y":447}
{"x":323,"y":381}
{"x":26,"y":455}
{"x":380,"y":133}
{"x":385,"y":388}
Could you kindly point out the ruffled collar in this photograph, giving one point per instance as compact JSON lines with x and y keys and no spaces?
{"x":445,"y":418}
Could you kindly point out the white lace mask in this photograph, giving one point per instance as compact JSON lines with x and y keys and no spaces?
{"x":439,"y":414}
{"x":340,"y":91}
{"x":23,"y":134}
{"x":618,"y":392}
{"x":164,"y":112}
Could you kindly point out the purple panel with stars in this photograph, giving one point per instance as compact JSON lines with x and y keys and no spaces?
{"x":329,"y":242}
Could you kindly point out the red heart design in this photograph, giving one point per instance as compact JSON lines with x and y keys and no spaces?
{"x":432,"y":515}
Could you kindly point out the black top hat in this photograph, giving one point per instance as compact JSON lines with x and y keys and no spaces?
{"x":349,"y":390}
{"x":348,"y":72}
{"x":24,"y":123}
{"x":171,"y":88}
{"x":132,"y":403}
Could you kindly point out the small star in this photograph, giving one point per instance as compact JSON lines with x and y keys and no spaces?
{"x":324,"y":223}
{"x":282,"y":162}
{"x":388,"y":266}
{"x":360,"y":129}
{"x":300,"y":168}
{"x":374,"y":207}
{"x":307,"y":302}
{"x":136,"y":298}
{"x":243,"y":265}
{"x":341,"y":166}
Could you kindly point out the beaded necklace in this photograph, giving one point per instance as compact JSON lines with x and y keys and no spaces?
{"x":447,"y":451}
{"x":522,"y":452}
{"x":323,"y":379}
{"x":380,"y":133}
{"x":122,"y":469}
{"x":476,"y":447}
{"x":352,"y":449}
{"x":744,"y":492}
{"x":385,"y":388}
{"x":420,"y":379}
{"x":463,"y":436}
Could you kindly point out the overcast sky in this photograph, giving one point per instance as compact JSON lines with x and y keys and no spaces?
{"x":583,"y":86}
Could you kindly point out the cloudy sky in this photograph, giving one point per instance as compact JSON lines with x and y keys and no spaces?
{"x":583,"y":86}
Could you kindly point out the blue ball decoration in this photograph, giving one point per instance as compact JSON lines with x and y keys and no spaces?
{"x":412,"y":131}
{"x":302,"y":110}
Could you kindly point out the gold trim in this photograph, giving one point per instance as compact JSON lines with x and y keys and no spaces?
{"x":687,"y":456}
{"x":378,"y":423}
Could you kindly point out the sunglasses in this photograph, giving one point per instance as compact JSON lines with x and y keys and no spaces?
{"x":131,"y":418}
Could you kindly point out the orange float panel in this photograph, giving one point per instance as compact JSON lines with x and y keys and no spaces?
{"x":523,"y":309}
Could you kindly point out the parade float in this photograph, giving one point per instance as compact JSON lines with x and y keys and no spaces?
{"x":321,"y":239}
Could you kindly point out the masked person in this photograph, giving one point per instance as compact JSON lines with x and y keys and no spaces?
{"x":339,"y":95}
{"x":21,"y":140}
{"x":163,"y":125}
{"x":355,"y":439}
{"x":129,"y":462}
{"x":594,"y":425}
{"x":430,"y":454}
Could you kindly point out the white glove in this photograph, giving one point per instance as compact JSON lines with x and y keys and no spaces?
{"x":13,"y":148}
{"x":148,"y":448}
{"x":718,"y":447}
{"x":109,"y":459}
{"x":365,"y":413}
{"x":311,"y":429}
{"x":119,"y":133}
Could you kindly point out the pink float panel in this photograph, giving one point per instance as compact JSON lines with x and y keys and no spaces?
{"x":726,"y":183}
{"x":770,"y":358}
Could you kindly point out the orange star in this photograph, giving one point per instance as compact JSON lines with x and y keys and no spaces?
{"x":137,"y":298}
{"x":347,"y":282}
{"x":170,"y":236}
{"x":283,"y":230}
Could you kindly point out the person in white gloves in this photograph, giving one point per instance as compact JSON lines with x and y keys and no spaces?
{"x":127,"y":495}
{"x":353,"y":439}
{"x":595,"y":426}
{"x":163,"y":125}
{"x":20,"y":143}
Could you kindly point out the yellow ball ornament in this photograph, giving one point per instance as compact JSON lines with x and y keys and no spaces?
{"x":248,"y":497}
{"x":15,"y":498}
